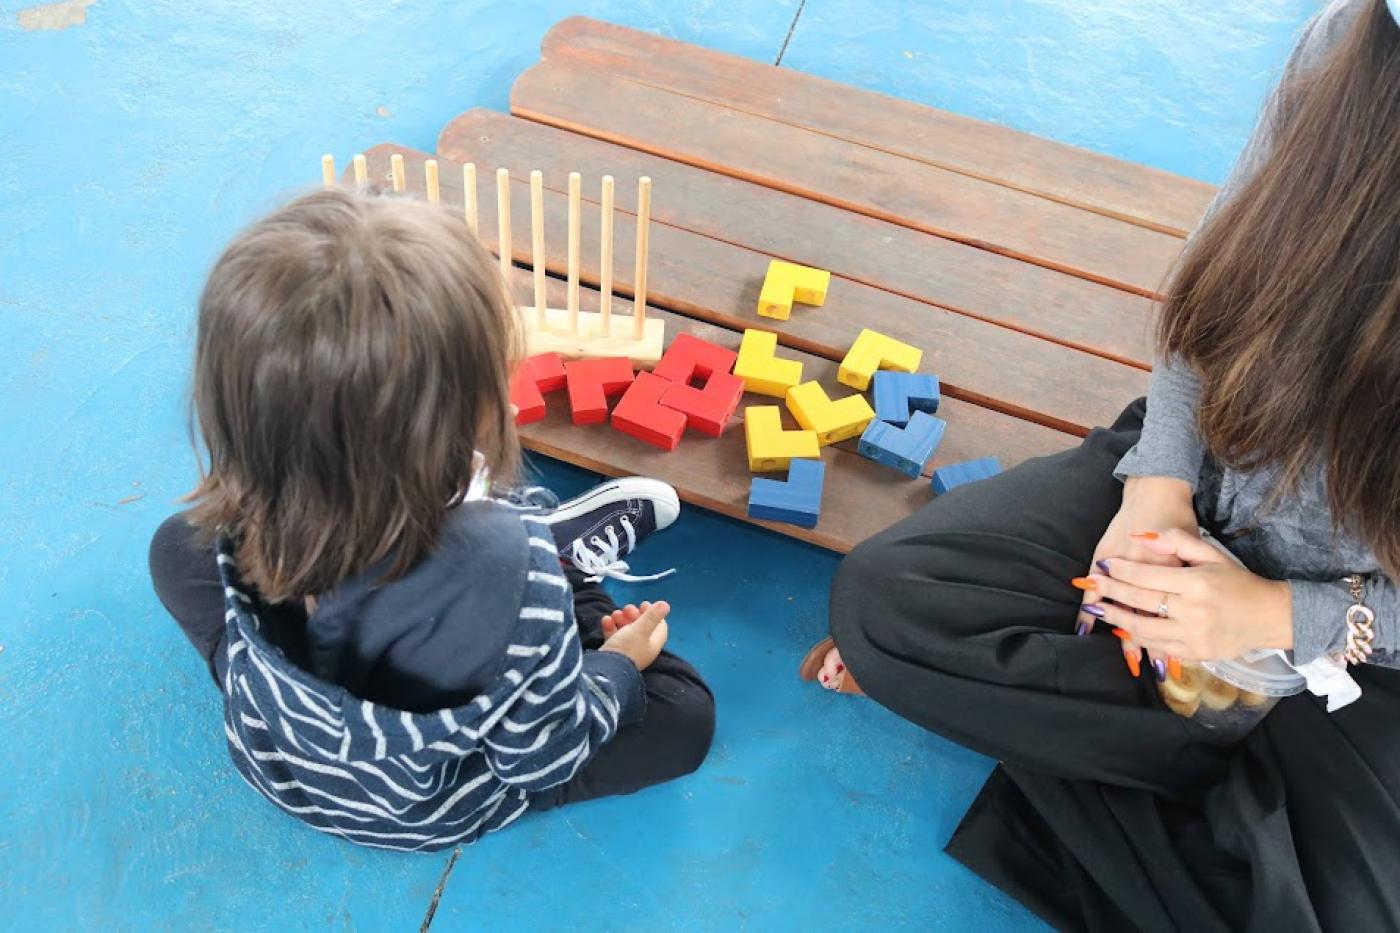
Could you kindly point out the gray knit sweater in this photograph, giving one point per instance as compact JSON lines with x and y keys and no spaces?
{"x":1295,"y":540}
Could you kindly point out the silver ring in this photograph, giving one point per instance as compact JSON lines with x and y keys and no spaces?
{"x":1162,"y":607}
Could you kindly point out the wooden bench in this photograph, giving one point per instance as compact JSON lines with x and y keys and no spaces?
{"x":1024,"y":268}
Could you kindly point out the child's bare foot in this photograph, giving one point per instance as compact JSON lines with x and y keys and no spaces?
{"x":643,"y":637}
{"x":620,"y":617}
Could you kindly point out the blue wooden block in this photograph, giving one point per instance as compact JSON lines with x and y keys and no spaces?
{"x":897,"y":395}
{"x":906,"y":449}
{"x":796,"y":500}
{"x":958,"y":474}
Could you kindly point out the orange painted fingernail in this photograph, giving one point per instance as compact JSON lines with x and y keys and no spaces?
{"x":1122,"y":634}
{"x":1174,"y":668}
{"x":1134,"y":664}
{"x":1084,"y":583}
{"x":1145,"y":535}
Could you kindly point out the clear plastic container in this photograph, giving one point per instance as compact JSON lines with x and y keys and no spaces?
{"x":1232,"y":697}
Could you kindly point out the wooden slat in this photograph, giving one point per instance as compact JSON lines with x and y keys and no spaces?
{"x":713,"y":474}
{"x":861,"y":497}
{"x":700,"y":277}
{"x":565,"y":93}
{"x":952,"y":275}
{"x":1146,"y":196}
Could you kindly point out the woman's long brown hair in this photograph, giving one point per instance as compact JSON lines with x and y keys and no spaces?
{"x":353,"y":353}
{"x":1288,"y":300}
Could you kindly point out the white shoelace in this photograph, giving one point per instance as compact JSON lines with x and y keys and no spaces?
{"x":603,"y":560}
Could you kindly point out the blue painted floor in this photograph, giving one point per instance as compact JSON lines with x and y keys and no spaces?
{"x":137,"y":139}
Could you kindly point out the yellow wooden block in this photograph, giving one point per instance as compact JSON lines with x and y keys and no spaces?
{"x":832,"y":420}
{"x":775,"y":300}
{"x":771,"y":446}
{"x":761,"y":371}
{"x":787,"y":282}
{"x":809,"y":285}
{"x":873,"y":351}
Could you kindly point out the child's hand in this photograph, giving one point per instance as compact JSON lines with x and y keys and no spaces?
{"x":640,"y":635}
{"x":620,"y":617}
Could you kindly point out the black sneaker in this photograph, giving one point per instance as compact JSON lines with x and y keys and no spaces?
{"x":596,"y":530}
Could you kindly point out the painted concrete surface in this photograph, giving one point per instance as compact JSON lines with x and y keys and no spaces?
{"x":1169,"y":83}
{"x":138,"y":137}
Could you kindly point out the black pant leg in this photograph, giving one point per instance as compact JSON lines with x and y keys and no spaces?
{"x":1313,"y":804}
{"x":671,"y":741}
{"x":591,"y":604}
{"x":186,"y":579}
{"x":673,"y":737}
{"x":961,"y":618}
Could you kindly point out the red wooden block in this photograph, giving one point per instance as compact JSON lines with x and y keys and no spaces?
{"x":689,"y":357}
{"x":533,"y":377}
{"x":708,"y":409}
{"x":590,"y":384}
{"x":548,"y":371}
{"x":639,"y":413}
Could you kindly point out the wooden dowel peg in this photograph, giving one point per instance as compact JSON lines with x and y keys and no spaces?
{"x":537,"y":257}
{"x":606,"y":259}
{"x":503,"y":221}
{"x":361,"y":171}
{"x":575,"y":209}
{"x":328,"y":170}
{"x":430,"y":181}
{"x":469,"y":194}
{"x":639,"y":300}
{"x":396,"y":172}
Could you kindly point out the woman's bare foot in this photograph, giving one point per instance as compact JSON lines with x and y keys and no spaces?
{"x":823,"y":664}
{"x":832,"y":671}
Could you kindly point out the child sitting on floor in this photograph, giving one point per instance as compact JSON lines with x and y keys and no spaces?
{"x":404,"y":658}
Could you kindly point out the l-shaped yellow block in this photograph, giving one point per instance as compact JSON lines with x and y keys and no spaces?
{"x":761,"y":371}
{"x":832,"y":420}
{"x":873,"y":351}
{"x":772,"y":447}
{"x":787,"y":282}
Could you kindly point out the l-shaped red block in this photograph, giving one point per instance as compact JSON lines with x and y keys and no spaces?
{"x":591,"y":383}
{"x":707,"y":410}
{"x":534,"y":376}
{"x":689,"y":357}
{"x":640,"y":414}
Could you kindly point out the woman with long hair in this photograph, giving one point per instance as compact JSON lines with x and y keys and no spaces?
{"x":1272,"y":423}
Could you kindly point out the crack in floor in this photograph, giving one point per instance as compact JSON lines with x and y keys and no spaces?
{"x":437,"y":894}
{"x":791,"y":28}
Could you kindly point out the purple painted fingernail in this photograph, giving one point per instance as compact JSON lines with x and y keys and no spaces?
{"x":1161,"y":667}
{"x":1103,"y":567}
{"x":1083,"y":628}
{"x":1093,"y":610}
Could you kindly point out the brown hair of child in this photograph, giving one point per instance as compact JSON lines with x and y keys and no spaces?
{"x":353,"y":353}
{"x":1288,"y":300}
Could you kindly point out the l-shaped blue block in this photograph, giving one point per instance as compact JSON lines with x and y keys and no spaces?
{"x":897,"y":395}
{"x":906,"y":449}
{"x":959,"y":474}
{"x":797,"y":500}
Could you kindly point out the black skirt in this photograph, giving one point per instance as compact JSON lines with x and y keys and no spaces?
{"x":1109,"y":811}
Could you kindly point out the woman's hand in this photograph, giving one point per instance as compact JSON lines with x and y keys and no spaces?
{"x":638,"y":633}
{"x":1216,"y":609}
{"x":1148,"y":502}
